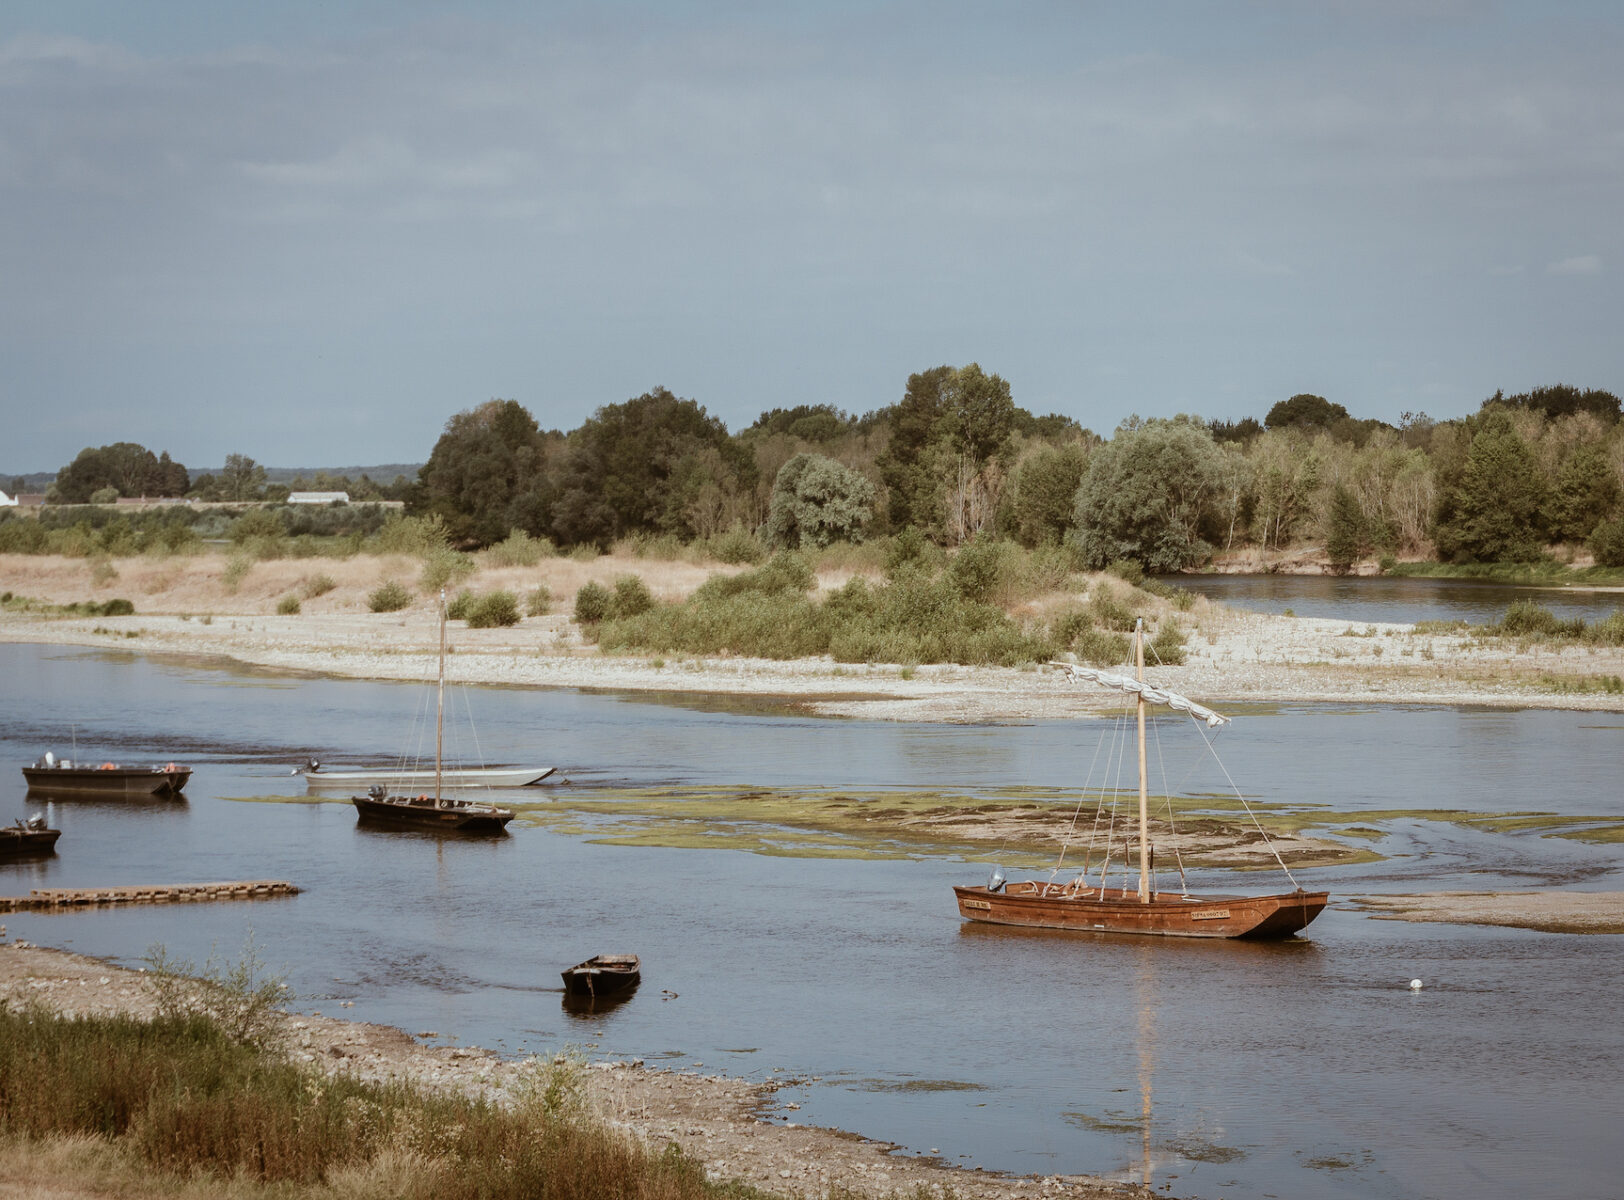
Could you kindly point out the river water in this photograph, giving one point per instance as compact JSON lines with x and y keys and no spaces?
{"x":1294,"y":1069}
{"x":1384,"y":598}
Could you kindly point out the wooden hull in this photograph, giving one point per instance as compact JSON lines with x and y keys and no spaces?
{"x":604,"y":975}
{"x":424,"y":812}
{"x":473,"y":777}
{"x":1115,"y":910}
{"x":27,"y":843}
{"x":109,"y":781}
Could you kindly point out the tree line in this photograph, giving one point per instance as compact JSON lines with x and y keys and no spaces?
{"x":956,"y":459}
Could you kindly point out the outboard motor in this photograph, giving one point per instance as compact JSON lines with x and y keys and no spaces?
{"x":36,"y":821}
{"x":995,"y":882}
{"x":50,"y":759}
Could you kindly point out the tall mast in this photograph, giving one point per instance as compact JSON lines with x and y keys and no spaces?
{"x":1144,"y":795}
{"x":439,"y":710}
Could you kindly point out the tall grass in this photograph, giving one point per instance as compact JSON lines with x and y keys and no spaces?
{"x":177,"y":1094}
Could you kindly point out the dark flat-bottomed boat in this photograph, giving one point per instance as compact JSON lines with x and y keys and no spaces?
{"x":603,"y":975}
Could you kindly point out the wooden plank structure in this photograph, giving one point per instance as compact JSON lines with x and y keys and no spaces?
{"x":163,"y":893}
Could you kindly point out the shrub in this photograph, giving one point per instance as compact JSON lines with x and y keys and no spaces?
{"x":1606,"y":542}
{"x":442,"y":567}
{"x":1127,"y":570}
{"x":288,"y":606}
{"x":1167,"y":647}
{"x":460,"y":604}
{"x":318,"y":586}
{"x":592,"y":603}
{"x":736,"y":547}
{"x":117,"y":607}
{"x":631,"y":598}
{"x":391,"y":596}
{"x":237,"y":568}
{"x":519,"y":549}
{"x":1524,"y":618}
{"x":1110,"y":610}
{"x":411,"y":535}
{"x":493,"y":609}
{"x":539,"y":601}
{"x":1100,"y":648}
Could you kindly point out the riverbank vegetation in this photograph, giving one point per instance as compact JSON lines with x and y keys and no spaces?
{"x":1534,"y":480}
{"x":180,"y":1102}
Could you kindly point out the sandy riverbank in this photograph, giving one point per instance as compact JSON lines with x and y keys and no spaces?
{"x":735,"y":1127}
{"x":184,"y":606}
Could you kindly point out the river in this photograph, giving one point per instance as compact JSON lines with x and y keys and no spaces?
{"x":1302,"y":1068}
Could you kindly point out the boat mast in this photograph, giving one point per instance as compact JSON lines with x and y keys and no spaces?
{"x":439,"y":708}
{"x":1144,"y":796}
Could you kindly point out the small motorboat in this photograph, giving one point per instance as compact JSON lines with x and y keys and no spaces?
{"x":28,"y":838}
{"x":603,"y":975}
{"x":423,"y":811}
{"x":53,"y":774}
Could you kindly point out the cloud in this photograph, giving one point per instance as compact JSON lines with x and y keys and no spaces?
{"x":1579,"y":264}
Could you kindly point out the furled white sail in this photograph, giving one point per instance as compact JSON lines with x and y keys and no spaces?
{"x":1152,"y":695}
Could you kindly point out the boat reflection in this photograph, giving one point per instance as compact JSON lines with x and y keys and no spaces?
{"x":587,"y":1007}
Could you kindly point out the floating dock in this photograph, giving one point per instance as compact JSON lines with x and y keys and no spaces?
{"x":164,"y":893}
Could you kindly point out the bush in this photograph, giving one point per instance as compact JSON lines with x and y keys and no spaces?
{"x":592,"y":603}
{"x":457,"y":610}
{"x":632,"y":597}
{"x":288,"y":606}
{"x":237,"y":568}
{"x":1606,"y":542}
{"x":410,"y":535}
{"x":442,"y":567}
{"x":1167,"y":647}
{"x":519,"y":549}
{"x":391,"y":596}
{"x":493,"y":609}
{"x":1127,"y":570}
{"x":1524,"y":618}
{"x":1099,"y":648}
{"x":539,"y":601}
{"x":117,"y":607}
{"x":319,"y":586}
{"x":736,"y":547}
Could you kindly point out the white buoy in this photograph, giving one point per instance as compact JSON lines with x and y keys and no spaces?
{"x":1415,"y":985}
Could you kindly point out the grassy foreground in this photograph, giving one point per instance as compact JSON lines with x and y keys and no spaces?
{"x":175,"y":1105}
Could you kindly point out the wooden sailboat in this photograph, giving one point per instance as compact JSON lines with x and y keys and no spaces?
{"x":1090,"y":906}
{"x":439,"y":811}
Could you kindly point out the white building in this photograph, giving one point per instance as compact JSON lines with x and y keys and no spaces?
{"x":7,"y":501}
{"x":318,"y":497}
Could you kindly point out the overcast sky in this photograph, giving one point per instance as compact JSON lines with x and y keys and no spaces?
{"x":310,"y":232}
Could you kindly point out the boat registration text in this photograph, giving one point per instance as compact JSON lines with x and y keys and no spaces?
{"x":1209,"y":914}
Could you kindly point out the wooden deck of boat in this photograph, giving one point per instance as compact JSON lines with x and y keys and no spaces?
{"x":165,"y":893}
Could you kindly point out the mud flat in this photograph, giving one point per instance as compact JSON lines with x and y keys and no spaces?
{"x":734,"y":1126}
{"x":1547,"y":911}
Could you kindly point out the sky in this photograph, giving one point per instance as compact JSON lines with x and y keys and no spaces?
{"x":312,"y":232}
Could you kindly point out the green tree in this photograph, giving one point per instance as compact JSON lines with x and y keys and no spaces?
{"x":1586,"y":492}
{"x":1559,"y":400}
{"x":1145,"y":495}
{"x":486,"y":476}
{"x":1304,"y":408}
{"x":1042,"y":500}
{"x":1345,"y":540}
{"x":1496,"y":514}
{"x":644,"y":466}
{"x":129,"y":469}
{"x":242,"y":478}
{"x":948,"y":427}
{"x":817,"y":501}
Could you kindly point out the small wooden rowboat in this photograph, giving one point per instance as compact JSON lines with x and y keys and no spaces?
{"x":603,"y":975}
